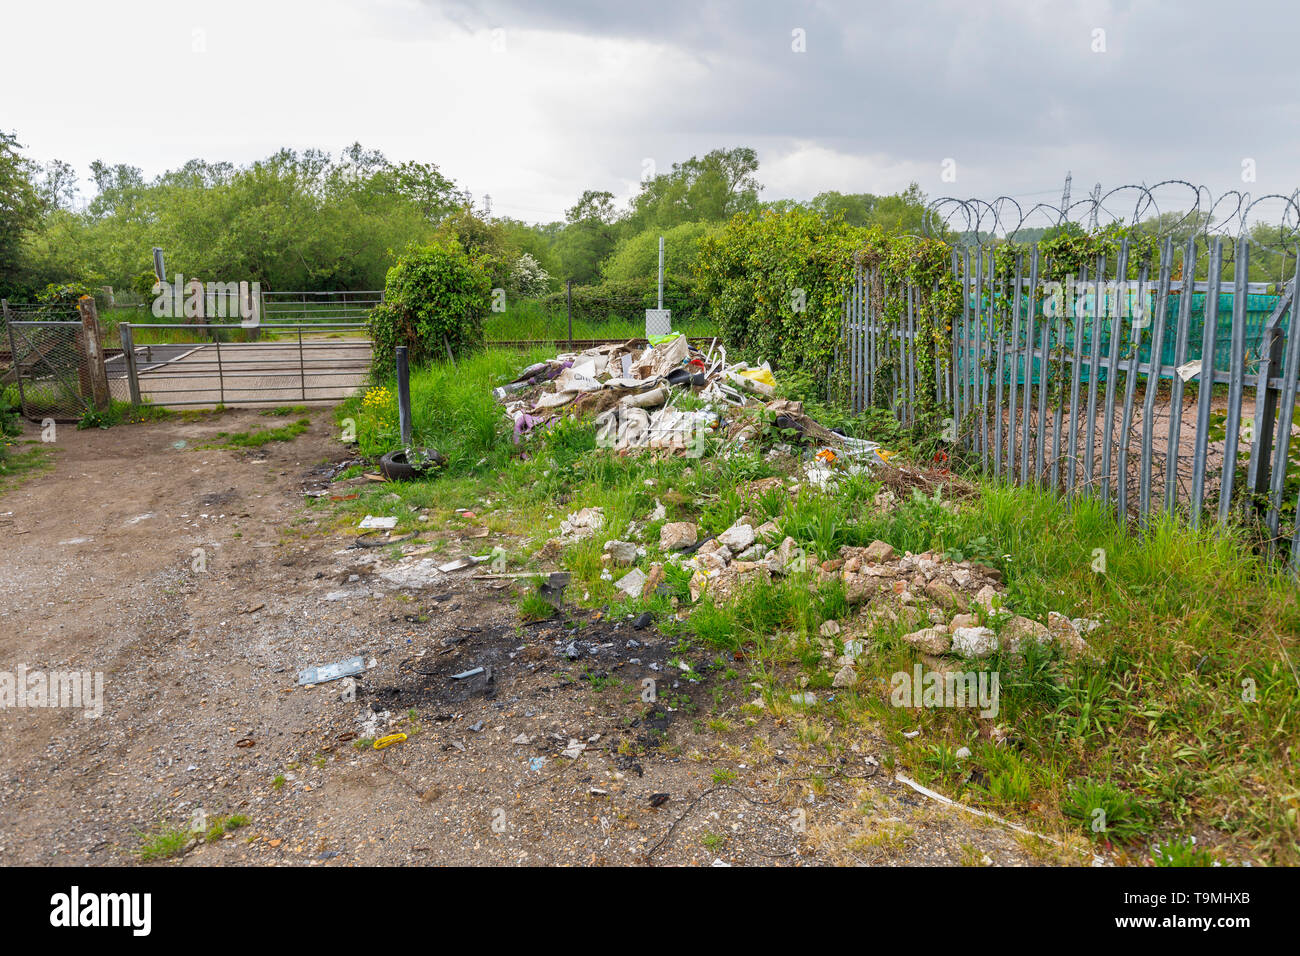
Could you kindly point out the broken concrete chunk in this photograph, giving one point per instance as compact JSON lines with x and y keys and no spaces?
{"x":677,"y":535}
{"x":944,"y":596}
{"x":931,"y":640}
{"x":412,"y":575}
{"x":859,"y":588}
{"x":846,"y":676}
{"x":738,"y":537}
{"x":988,"y":598}
{"x":878,"y":552}
{"x":622,"y":553}
{"x":974,"y":642}
{"x":653,"y":580}
{"x":1064,"y":633}
{"x":962,"y":620}
{"x":632,"y":583}
{"x":582,"y":524}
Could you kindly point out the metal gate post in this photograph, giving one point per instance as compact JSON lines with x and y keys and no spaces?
{"x":302,"y":369}
{"x":18,"y":369}
{"x":221,"y":376}
{"x":403,"y":396}
{"x":128,"y":354}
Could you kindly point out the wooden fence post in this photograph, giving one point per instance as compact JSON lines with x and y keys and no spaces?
{"x":94,"y":374}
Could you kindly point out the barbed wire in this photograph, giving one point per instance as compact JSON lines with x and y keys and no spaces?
{"x":1230,"y":215}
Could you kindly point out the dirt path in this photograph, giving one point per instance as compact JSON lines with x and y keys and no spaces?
{"x":202,"y":712}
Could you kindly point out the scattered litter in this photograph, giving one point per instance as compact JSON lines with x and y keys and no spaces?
{"x":372,"y":523}
{"x":467,"y":674}
{"x":388,"y":741}
{"x":329,"y":672}
{"x":574,"y":750}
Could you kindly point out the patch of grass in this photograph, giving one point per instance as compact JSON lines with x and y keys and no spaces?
{"x":17,"y":466}
{"x":1104,"y":812}
{"x":123,"y":413}
{"x":164,"y":843}
{"x":264,"y":436}
{"x":223,"y":825}
{"x":1183,"y":852}
{"x":534,"y":607}
{"x":452,"y":410}
{"x":284,"y":411}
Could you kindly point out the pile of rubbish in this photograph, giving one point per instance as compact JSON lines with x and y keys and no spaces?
{"x":636,"y":393}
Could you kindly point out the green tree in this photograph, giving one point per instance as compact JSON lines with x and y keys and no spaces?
{"x":588,"y":237}
{"x":708,"y":189}
{"x":20,"y":208}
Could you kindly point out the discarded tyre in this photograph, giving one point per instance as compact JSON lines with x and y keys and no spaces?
{"x":395,"y":467}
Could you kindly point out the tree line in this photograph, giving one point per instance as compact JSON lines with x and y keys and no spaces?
{"x":309,"y":220}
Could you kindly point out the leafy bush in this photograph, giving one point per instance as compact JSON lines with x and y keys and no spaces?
{"x":57,"y":299}
{"x":435,"y":299}
{"x":775,"y":284}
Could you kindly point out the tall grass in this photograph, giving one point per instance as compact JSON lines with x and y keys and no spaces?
{"x":452,"y":410}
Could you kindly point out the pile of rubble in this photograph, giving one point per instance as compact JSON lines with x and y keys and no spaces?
{"x":634,"y":391}
{"x":937,"y":600}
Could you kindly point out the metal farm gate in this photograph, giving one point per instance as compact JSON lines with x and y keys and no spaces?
{"x":289,"y":363}
{"x":1160,"y":392}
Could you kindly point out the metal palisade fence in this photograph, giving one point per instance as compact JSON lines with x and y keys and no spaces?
{"x":1165,"y":385}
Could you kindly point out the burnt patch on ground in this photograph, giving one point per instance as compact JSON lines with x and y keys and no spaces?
{"x":637,"y":670}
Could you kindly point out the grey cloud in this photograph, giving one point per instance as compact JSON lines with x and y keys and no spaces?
{"x":1012,"y":90}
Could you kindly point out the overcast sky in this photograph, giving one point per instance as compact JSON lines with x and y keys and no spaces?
{"x":534,"y":102}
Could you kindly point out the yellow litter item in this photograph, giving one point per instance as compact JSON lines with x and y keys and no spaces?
{"x":760,"y":375}
{"x":388,"y":741}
